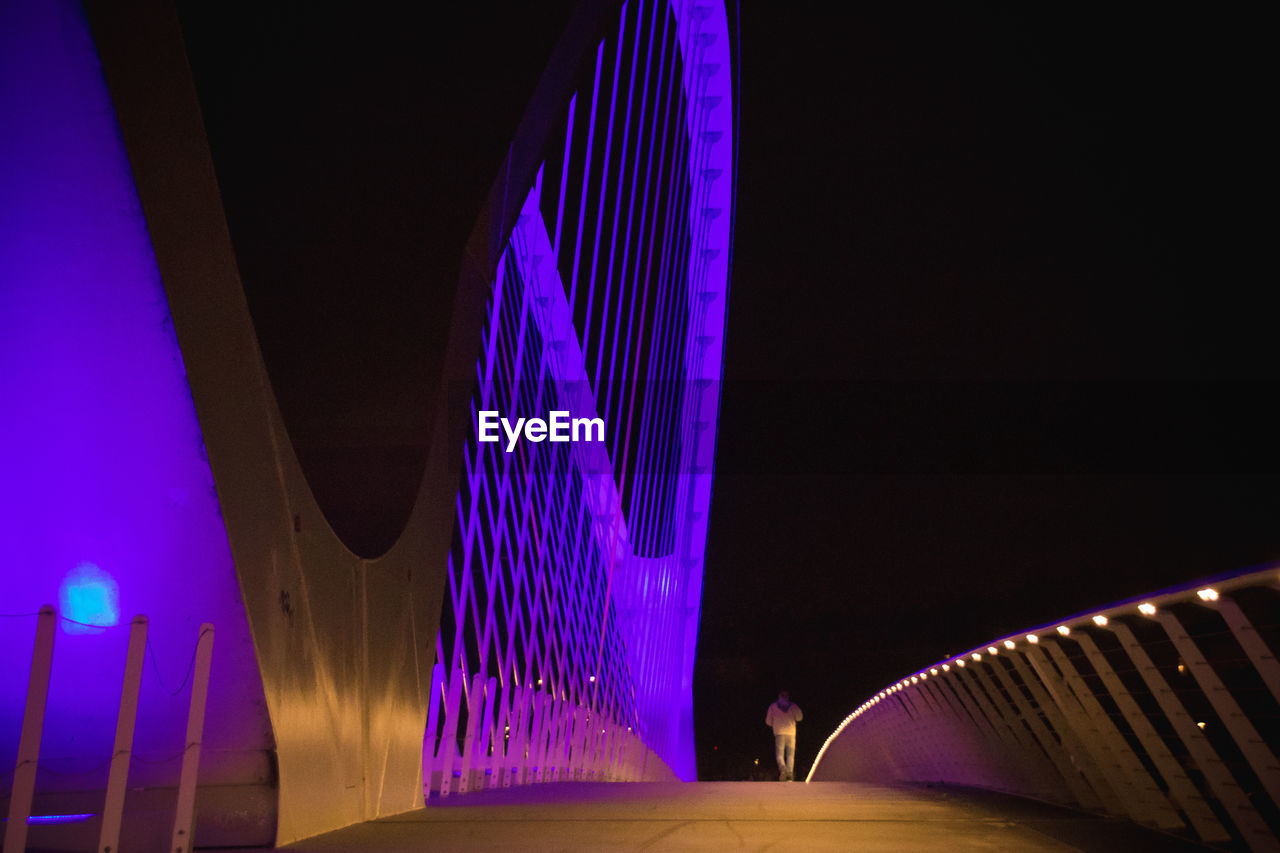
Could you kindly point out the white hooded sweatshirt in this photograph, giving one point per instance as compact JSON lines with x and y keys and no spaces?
{"x":782,"y":719}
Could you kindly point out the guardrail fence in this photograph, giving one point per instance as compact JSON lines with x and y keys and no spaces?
{"x":1163,"y":709}
{"x":26,"y":774}
{"x":482,"y":735}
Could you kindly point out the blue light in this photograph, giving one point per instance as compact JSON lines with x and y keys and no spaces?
{"x":89,"y":600}
{"x":59,"y":818}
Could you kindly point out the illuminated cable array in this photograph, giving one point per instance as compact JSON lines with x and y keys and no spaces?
{"x":576,"y":567}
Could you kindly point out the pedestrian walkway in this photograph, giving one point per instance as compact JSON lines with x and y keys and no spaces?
{"x":714,"y":816}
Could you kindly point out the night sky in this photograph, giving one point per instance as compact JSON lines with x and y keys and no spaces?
{"x":1000,"y":342}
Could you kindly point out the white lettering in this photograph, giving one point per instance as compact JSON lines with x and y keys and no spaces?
{"x":587,"y":424}
{"x":512,"y":434}
{"x":559,"y":425}
{"x":488,"y":426}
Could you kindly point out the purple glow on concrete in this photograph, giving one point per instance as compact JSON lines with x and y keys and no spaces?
{"x":88,"y":600}
{"x":107,"y":507}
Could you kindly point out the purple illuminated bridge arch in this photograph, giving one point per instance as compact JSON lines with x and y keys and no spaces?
{"x":148,"y":470}
{"x":576,"y":573}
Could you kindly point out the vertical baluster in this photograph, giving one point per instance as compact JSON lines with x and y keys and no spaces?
{"x":113,"y":808}
{"x":24,"y":771}
{"x":184,"y":819}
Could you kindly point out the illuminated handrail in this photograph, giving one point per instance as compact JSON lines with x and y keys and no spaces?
{"x":1163,"y":709}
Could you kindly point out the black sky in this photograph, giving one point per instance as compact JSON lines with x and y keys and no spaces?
{"x":1000,"y":342}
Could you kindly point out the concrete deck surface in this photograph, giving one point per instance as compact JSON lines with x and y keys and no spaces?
{"x":713,"y":816}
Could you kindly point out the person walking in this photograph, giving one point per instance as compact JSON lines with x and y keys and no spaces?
{"x":782,"y":717}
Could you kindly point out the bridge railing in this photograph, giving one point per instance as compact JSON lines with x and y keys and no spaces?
{"x":1163,"y":709}
{"x":77,"y":779}
{"x":487,"y":735}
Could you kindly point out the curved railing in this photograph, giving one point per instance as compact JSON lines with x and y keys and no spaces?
{"x":1163,"y":709}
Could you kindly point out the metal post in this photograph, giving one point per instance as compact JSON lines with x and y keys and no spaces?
{"x":1012,"y":748}
{"x":1224,"y":787}
{"x":475,"y":706}
{"x":1254,"y":646}
{"x":604,"y":764}
{"x":560,"y":746}
{"x":532,"y":772}
{"x":113,"y":808}
{"x":613,"y":769}
{"x":549,"y":722}
{"x":483,"y":758}
{"x":995,"y":747}
{"x":1180,"y":787}
{"x":595,"y":750}
{"x":897,"y":720}
{"x":1112,"y":792}
{"x":934,"y":755}
{"x":1138,"y":790}
{"x":961,"y":691}
{"x":577,"y":744}
{"x":1255,"y":750}
{"x":431,"y":740}
{"x":519,"y":722}
{"x":1050,"y":784}
{"x":551,"y":760}
{"x":595,"y":747}
{"x":24,"y":771}
{"x":1079,"y":756}
{"x":520,"y":767}
{"x":449,"y":736}
{"x":1081,"y":793}
{"x":502,"y":736}
{"x":622,"y":754}
{"x":184,"y":820}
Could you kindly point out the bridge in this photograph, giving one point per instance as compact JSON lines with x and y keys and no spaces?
{"x":194,"y":658}
{"x":1147,"y":724}
{"x":635,"y":816}
{"x":745,"y":816}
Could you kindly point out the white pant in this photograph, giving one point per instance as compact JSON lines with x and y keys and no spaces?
{"x":786,"y":752}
